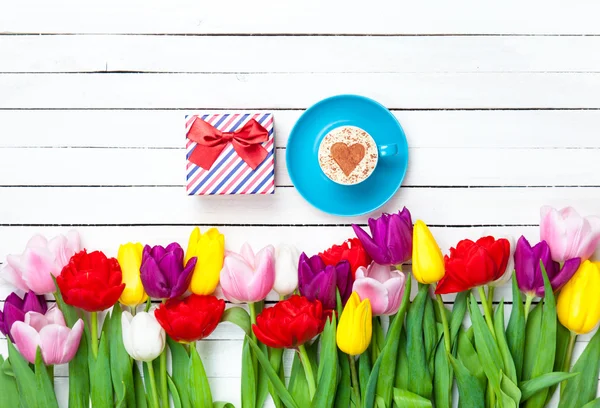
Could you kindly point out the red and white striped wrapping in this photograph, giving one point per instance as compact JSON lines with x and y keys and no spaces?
{"x":230,"y":174}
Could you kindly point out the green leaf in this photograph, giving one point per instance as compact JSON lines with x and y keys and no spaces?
{"x":248,"y":377}
{"x":532,"y":340}
{"x":283,"y":393}
{"x":275,"y":357}
{"x":544,"y":362}
{"x":593,"y":404}
{"x":562,"y":343}
{"x":509,"y":365}
{"x":419,"y":380}
{"x":442,"y":378}
{"x":174,"y":392}
{"x":262,"y":380}
{"x":364,"y":371}
{"x":582,"y":389}
{"x":148,"y":384}
{"x":401,"y":375}
{"x":180,"y":363}
{"x":515,"y":331}
{"x":344,"y":389}
{"x":221,"y":404}
{"x":328,"y":367}
{"x":471,"y":388}
{"x":430,"y":333}
{"x":458,"y":314}
{"x":8,"y":385}
{"x":44,"y":384}
{"x":298,"y":387}
{"x":102,"y":388}
{"x":199,"y":387}
{"x":140,"y":392}
{"x":510,"y":394}
{"x":25,"y":378}
{"x":120,"y":361}
{"x":468,"y":356}
{"x":368,"y":395}
{"x":407,"y":399}
{"x":530,"y":387}
{"x":387,"y":369}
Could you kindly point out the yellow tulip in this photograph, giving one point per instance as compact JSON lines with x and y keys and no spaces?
{"x":130,"y":260}
{"x":578,"y":307}
{"x":427,"y":259}
{"x":209,"y":249}
{"x":355,"y":327}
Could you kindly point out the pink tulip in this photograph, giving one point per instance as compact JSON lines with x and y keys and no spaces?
{"x":382,"y":286}
{"x":568,"y":234}
{"x":49,"y":332}
{"x":246,"y":277}
{"x":41,"y":260}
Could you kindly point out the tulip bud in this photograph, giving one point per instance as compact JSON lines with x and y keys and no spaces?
{"x":286,"y":269}
{"x":577,"y":306}
{"x":144,"y":339}
{"x":355,"y":327}
{"x":427,"y":259}
{"x":130,"y":260}
{"x":209,"y":249}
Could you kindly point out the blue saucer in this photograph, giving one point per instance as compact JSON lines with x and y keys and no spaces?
{"x":315,"y":186}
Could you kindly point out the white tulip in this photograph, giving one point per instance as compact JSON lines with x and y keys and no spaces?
{"x":143,"y":337}
{"x":286,"y":269}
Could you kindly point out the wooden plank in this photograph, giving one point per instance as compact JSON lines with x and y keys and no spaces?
{"x":430,"y":129}
{"x":406,"y":91}
{"x":307,"y":17}
{"x":427,"y":167}
{"x":289,"y":54}
{"x":170,"y":205}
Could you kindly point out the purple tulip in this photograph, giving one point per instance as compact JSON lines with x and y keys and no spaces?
{"x":390,"y":242}
{"x":317,"y":281}
{"x":15,"y":309}
{"x":163,"y":273}
{"x":529,"y":272}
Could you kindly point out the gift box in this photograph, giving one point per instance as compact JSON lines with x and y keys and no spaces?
{"x":230,"y":153}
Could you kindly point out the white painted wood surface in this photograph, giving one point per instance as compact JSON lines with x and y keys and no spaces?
{"x":500,"y":103}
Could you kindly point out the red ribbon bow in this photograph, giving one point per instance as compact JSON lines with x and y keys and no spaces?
{"x":211,"y":142}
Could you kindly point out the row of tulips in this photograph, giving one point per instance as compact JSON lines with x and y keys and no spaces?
{"x":346,"y":312}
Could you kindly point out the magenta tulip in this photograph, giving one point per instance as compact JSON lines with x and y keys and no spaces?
{"x":568,"y":234}
{"x":40,"y":262}
{"x":15,"y":309}
{"x":383,"y":287}
{"x":247,"y":277}
{"x":49,"y":332}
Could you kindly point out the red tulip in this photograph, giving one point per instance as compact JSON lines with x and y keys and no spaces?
{"x":473,"y":264}
{"x":290,"y":323}
{"x":190,"y":319}
{"x":351,"y":251}
{"x":91,"y":281}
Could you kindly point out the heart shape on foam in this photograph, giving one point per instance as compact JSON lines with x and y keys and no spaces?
{"x":347,"y":157}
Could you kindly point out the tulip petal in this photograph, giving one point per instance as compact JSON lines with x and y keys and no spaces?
{"x":370,"y":245}
{"x":235,"y":277}
{"x":264,"y":274}
{"x":375,"y":291}
{"x":27,"y":340}
{"x":36,"y":320}
{"x":38,"y":268}
{"x":395,"y":290}
{"x":12,"y":276}
{"x":55,"y":316}
{"x":154,"y":281}
{"x":381,"y":273}
{"x":183,"y":281}
{"x":52,"y":339}
{"x":72,"y":344}
{"x":566,"y":273}
{"x":248,"y":254}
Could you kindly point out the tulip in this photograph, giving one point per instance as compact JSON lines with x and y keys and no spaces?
{"x":247,"y":277}
{"x":473,"y":264}
{"x":577,"y":306}
{"x":49,"y":332}
{"x":143,"y":337}
{"x":15,"y":309}
{"x":529,"y":272}
{"x":209,"y":250}
{"x":317,"y":281}
{"x":290,"y":323}
{"x":568,"y":234}
{"x":190,"y":319}
{"x":510,"y":266}
{"x":130,"y":260}
{"x":91,"y":281}
{"x":382,"y":286}
{"x":391,"y":238}
{"x":355,"y":327}
{"x":42,"y":260}
{"x":427,"y":259}
{"x":351,"y":250}
{"x":163,"y":272}
{"x":286,"y":269}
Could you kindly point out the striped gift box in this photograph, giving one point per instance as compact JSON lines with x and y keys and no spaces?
{"x":230,"y":174}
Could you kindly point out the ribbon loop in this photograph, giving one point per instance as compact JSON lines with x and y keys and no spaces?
{"x":210,"y":142}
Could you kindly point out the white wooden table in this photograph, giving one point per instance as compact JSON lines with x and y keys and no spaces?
{"x":500,"y":103}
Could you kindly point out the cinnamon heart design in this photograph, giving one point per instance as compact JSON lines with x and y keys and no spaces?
{"x":347,"y":157}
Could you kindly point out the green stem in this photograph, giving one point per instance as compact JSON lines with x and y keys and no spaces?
{"x":154,"y":398}
{"x":310,"y":378}
{"x":447,"y":339}
{"x":50,"y":369}
{"x":148,"y":304}
{"x":94,"y":333}
{"x":164,"y":390}
{"x":486,"y":311}
{"x":252,"y":308}
{"x":133,"y":310}
{"x":355,"y":385}
{"x":491,"y":396}
{"x":281,"y":297}
{"x":490,"y":296}
{"x":528,"y":300}
{"x":568,"y":356}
